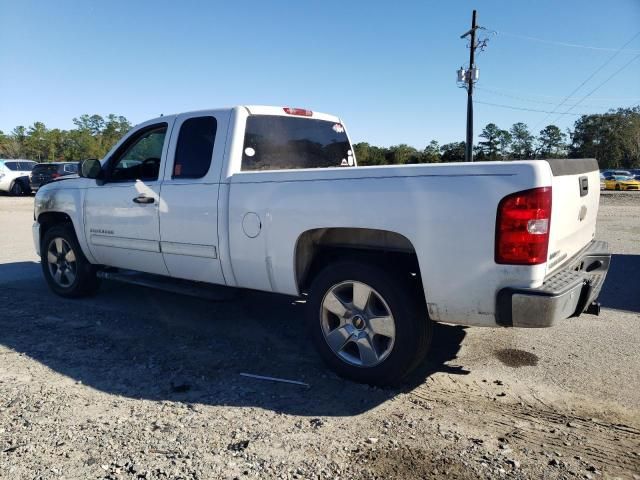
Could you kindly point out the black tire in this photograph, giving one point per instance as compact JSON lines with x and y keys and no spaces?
{"x":404,"y":300}
{"x":17,"y":189}
{"x":617,"y":186}
{"x":84,"y":281}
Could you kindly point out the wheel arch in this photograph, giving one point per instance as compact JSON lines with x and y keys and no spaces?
{"x":49,"y":219}
{"x":316,"y":247}
{"x":54,"y":205}
{"x":23,"y":181}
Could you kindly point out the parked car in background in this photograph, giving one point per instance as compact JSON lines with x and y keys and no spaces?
{"x":603,"y":184}
{"x":621,"y":182}
{"x":609,"y":174}
{"x":44,"y":173}
{"x":14,"y":176}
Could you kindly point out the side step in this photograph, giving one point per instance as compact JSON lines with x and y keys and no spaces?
{"x":216,"y":293}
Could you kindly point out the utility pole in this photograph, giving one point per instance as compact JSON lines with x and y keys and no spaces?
{"x":468,"y":77}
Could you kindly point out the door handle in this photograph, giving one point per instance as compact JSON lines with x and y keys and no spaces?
{"x":143,"y":199}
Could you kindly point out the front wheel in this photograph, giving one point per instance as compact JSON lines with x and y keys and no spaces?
{"x":65,"y":268}
{"x":617,"y":186}
{"x":368,"y":324}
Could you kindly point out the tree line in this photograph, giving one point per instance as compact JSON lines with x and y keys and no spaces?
{"x":613,"y":138}
{"x":92,"y":137}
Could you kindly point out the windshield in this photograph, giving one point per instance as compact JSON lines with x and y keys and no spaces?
{"x":20,"y":166}
{"x":275,"y":142}
{"x":623,"y":177}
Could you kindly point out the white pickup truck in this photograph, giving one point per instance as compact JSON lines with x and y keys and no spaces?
{"x":272,"y":199}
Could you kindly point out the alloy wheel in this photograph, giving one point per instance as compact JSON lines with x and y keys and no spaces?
{"x":357,"y":324}
{"x":62,"y":263}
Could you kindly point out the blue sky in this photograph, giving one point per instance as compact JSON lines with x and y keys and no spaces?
{"x":387,"y":68}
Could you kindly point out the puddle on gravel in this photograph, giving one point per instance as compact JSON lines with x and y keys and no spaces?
{"x":516,"y":358}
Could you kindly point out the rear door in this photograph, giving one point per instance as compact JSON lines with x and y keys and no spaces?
{"x":189,"y":196}
{"x":576,"y":196}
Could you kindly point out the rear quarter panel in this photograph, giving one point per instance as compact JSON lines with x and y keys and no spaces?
{"x":447,"y":212}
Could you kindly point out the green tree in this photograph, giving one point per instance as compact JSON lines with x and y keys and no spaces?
{"x":91,"y":123}
{"x":491,"y":145}
{"x":369,"y":155}
{"x":35,"y":142}
{"x":613,"y":138}
{"x":522,"y":141}
{"x":55,"y":142}
{"x":401,"y":154}
{"x":504,"y":143}
{"x":9,"y":147}
{"x":551,"y":142}
{"x":114,"y":129}
{"x":453,"y":152}
{"x":431,"y":153}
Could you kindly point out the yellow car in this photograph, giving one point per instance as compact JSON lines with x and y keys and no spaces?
{"x":621,"y":182}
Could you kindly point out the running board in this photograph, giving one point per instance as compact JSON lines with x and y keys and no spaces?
{"x":216,"y":293}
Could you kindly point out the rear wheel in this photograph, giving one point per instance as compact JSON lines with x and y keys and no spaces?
{"x":369,"y":325}
{"x":65,"y":268}
{"x":617,"y":186}
{"x":17,"y":189}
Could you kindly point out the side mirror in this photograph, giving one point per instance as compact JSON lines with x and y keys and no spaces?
{"x":90,"y":168}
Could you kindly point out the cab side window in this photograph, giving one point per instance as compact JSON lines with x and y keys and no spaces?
{"x":195,"y":147}
{"x":139,"y":158}
{"x":71,"y":168}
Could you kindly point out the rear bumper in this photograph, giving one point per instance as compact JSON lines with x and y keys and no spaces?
{"x":566,"y":293}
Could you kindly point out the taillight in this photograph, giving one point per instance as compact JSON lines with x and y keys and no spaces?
{"x":522,"y":227}
{"x":55,"y":175}
{"x":298,"y":111}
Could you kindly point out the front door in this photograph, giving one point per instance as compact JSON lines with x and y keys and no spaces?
{"x":121,"y":212}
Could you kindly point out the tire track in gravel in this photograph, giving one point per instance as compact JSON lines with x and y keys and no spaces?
{"x":535,"y":427}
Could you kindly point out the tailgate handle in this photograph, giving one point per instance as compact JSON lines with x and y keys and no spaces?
{"x":584,"y":186}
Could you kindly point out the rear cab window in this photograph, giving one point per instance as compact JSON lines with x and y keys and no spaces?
{"x":274,"y":142}
{"x":194,"y":149}
{"x":44,"y":168}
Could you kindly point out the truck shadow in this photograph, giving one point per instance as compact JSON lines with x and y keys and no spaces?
{"x":621,"y":290}
{"x":145,"y":344}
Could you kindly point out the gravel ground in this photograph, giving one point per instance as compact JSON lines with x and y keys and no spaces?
{"x":137,"y":384}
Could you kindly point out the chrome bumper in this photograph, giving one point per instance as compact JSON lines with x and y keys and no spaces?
{"x":566,"y":293}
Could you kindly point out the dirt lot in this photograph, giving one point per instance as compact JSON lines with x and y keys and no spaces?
{"x":139,"y":384}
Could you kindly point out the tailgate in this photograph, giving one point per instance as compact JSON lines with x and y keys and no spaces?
{"x":576,"y":195}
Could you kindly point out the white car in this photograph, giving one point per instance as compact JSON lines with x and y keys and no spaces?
{"x":272,"y":199}
{"x":14,"y":176}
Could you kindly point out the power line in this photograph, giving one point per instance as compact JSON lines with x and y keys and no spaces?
{"x":523,"y":108}
{"x":601,"y":84}
{"x":532,"y":100}
{"x":564,"y":44}
{"x":502,"y":90}
{"x":555,"y":110}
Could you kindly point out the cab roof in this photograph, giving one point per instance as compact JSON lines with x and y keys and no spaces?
{"x":255,"y":110}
